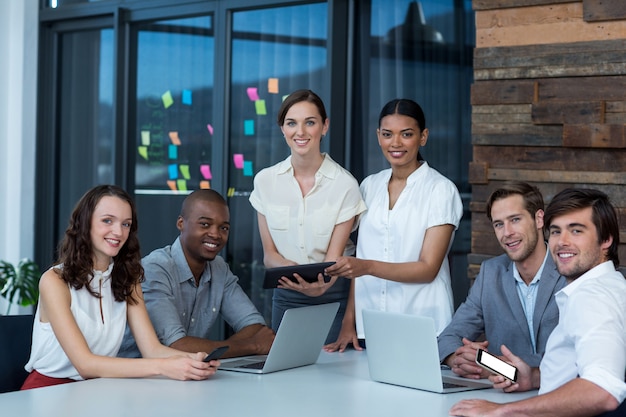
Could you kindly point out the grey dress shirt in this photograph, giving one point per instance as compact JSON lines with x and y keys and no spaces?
{"x":179,"y":308}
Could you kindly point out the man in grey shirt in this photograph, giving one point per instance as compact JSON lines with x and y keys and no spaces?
{"x":188,"y":286}
{"x":512,"y":300}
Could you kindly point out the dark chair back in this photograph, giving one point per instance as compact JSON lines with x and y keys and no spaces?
{"x":15,"y":340}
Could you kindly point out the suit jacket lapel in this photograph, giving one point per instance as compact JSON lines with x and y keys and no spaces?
{"x":510,"y":289}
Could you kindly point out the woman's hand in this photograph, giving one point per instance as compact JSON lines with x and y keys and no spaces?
{"x":312,"y":289}
{"x":188,"y":367}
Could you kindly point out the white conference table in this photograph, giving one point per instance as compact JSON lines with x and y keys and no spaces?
{"x":337,"y":385}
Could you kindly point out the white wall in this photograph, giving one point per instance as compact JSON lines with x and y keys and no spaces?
{"x":18,"y":94}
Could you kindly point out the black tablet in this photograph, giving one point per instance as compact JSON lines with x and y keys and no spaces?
{"x":308,"y":272}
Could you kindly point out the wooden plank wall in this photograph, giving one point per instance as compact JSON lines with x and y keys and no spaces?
{"x":548,"y":104}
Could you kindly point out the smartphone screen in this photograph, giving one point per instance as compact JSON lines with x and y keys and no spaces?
{"x":496,"y":365}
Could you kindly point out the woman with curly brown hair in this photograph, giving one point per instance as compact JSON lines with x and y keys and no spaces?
{"x":90,"y":294}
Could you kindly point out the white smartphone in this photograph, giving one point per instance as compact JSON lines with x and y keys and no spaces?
{"x":496,"y":365}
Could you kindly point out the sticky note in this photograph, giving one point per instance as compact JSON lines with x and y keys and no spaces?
{"x":184,"y":170}
{"x":238,"y":160}
{"x":172,"y":169}
{"x":247,"y":169}
{"x":248,"y":127}
{"x":174,"y":138}
{"x":231,"y":192}
{"x":143,"y":151}
{"x":285,"y":96}
{"x":259,"y":105}
{"x":145,"y":137}
{"x":182,"y":185}
{"x":187,"y":97}
{"x":167,"y":99}
{"x":272,"y":85}
{"x":209,"y":128}
{"x":172,"y":151}
{"x":172,"y":185}
{"x":205,"y":185}
{"x":205,"y":170}
{"x":253,"y":93}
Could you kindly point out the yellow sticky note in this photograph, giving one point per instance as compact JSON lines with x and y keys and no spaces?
{"x":184,"y":169}
{"x":143,"y":151}
{"x":272,"y":85}
{"x":231,"y":192}
{"x":259,"y":105}
{"x":145,"y":137}
{"x":182,"y":185}
{"x":174,"y":138}
{"x":167,"y":99}
{"x":205,"y":185}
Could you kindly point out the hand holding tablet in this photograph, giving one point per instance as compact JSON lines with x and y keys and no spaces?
{"x":308,"y":272}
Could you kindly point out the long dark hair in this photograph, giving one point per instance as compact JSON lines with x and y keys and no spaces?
{"x":405,"y":107}
{"x":76,"y":249}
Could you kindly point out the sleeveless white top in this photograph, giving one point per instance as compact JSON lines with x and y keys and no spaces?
{"x":101,"y":320}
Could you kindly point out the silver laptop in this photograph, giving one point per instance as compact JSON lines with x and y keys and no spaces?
{"x":298,"y":342}
{"x":402,"y":350}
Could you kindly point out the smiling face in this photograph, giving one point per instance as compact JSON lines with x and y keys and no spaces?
{"x":204,"y":231}
{"x":574,"y":243}
{"x":515,"y":228}
{"x":400,"y":139}
{"x":110,"y":226}
{"x":303,"y":128}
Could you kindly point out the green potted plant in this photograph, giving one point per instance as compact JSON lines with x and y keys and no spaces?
{"x":19,"y":285}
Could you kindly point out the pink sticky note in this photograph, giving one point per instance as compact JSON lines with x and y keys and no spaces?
{"x":205,"y":170}
{"x":209,"y":128}
{"x":253,"y":93}
{"x":238,"y":160}
{"x":272,"y":85}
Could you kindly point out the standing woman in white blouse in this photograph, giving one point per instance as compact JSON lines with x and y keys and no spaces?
{"x":87,"y":297}
{"x":404,"y":237}
{"x":307,"y":207}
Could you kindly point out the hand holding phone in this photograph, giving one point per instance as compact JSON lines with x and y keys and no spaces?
{"x":216,"y":354}
{"x":496,"y":365}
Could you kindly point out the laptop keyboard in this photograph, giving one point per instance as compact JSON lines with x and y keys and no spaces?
{"x":451,"y":385}
{"x":255,"y":365}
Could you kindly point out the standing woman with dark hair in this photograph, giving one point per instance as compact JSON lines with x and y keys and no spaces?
{"x":406,"y":233}
{"x":307,"y":207}
{"x":87,"y":297}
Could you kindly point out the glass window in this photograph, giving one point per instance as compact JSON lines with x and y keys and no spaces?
{"x":85,"y":116}
{"x":274,"y":52}
{"x":173,"y":128}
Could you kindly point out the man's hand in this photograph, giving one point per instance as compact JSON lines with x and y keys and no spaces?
{"x":463,"y":361}
{"x":527,"y":377}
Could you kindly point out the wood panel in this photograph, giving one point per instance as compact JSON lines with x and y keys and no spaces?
{"x":548,"y":104}
{"x":543,"y":24}
{"x":601,"y":10}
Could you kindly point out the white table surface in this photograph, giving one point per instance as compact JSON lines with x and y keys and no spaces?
{"x":337,"y":385}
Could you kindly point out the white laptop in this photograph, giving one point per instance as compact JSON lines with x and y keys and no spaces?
{"x":402,"y":350}
{"x":298,"y":342}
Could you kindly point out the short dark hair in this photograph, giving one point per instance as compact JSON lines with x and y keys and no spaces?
{"x":603,"y":215}
{"x":533,"y":200}
{"x":209,"y":195}
{"x":297,"y":97}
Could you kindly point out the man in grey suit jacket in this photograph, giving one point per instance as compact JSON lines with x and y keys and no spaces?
{"x":512,"y":299}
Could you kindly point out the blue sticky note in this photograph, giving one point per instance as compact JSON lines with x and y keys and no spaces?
{"x":248,"y":127}
{"x":173,"y":151}
{"x":173,"y":171}
{"x":247,"y":169}
{"x":187,"y":97}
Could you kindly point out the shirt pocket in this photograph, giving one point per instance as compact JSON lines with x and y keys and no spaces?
{"x":323,"y":222}
{"x":277,"y":218}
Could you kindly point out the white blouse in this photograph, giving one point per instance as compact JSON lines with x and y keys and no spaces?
{"x":101,"y":320}
{"x":429,"y":199}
